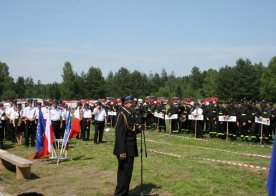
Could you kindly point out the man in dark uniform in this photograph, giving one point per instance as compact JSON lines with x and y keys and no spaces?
{"x":183,"y":120}
{"x":220,"y":125}
{"x":173,"y":110}
{"x":211,"y":114}
{"x":243,"y":117}
{"x":265,"y":112}
{"x":232,"y":126}
{"x":139,"y":113}
{"x":253,"y":111}
{"x":125,"y":147}
{"x":161,"y":121}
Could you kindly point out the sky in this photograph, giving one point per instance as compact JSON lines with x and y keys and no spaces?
{"x":37,"y":37}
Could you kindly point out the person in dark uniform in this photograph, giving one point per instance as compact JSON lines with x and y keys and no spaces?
{"x":125,"y":147}
{"x":183,"y":120}
{"x":243,"y":117}
{"x":139,"y":113}
{"x":161,"y":121}
{"x":231,"y":110}
{"x":253,"y":111}
{"x":211,"y":114}
{"x":264,"y":112}
{"x":171,"y":111}
{"x":220,"y":125}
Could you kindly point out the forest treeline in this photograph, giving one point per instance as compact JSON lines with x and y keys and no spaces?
{"x":245,"y":79}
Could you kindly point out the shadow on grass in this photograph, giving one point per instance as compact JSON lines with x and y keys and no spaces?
{"x":34,"y":177}
{"x":82,"y":157}
{"x":7,"y":146}
{"x":68,"y":159}
{"x":147,"y":189}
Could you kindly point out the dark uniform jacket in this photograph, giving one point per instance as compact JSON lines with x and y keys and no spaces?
{"x":243,"y":114}
{"x":125,"y":135}
{"x":210,"y":112}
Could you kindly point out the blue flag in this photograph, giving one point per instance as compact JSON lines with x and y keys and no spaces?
{"x":271,"y":180}
{"x":41,"y":125}
{"x":67,"y":130}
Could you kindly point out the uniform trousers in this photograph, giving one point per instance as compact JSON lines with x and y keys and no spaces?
{"x":162,"y":124}
{"x":29,"y":131}
{"x":8,"y":131}
{"x":124,"y":173}
{"x":85,"y":128}
{"x":57,"y":129}
{"x":99,"y":129}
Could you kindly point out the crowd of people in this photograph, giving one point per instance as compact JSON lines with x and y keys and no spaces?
{"x":19,"y":121}
{"x":244,"y":127}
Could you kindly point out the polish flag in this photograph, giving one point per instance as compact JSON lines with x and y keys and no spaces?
{"x":49,"y":134}
{"x":75,"y":128}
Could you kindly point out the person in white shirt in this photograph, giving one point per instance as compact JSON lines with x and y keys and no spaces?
{"x":29,"y":113}
{"x":16,"y":115}
{"x":9,"y":134}
{"x":100,"y":122}
{"x":56,"y":119}
{"x":64,"y":115}
{"x":85,"y":123}
{"x":197,"y":124}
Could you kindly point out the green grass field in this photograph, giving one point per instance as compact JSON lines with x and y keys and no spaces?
{"x":176,"y":165}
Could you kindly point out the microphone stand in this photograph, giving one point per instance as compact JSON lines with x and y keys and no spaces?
{"x":143,"y":145}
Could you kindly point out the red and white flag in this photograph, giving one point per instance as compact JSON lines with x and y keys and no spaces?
{"x":49,"y":134}
{"x":48,"y":138}
{"x":75,"y":128}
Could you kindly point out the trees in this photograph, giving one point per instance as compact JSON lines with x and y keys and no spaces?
{"x":69,"y":84}
{"x":243,"y":80}
{"x":226,"y":83}
{"x":94,"y":84}
{"x":268,"y":81}
{"x":6,"y":83}
{"x":210,"y":83}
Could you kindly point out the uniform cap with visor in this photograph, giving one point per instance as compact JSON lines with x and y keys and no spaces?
{"x":128,"y":98}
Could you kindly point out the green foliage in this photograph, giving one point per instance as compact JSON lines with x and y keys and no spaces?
{"x":94,"y":84}
{"x":268,"y":81}
{"x":210,"y":83}
{"x":69,"y":84}
{"x":244,"y":80}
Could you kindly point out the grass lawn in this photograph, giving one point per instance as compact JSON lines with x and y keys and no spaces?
{"x":176,"y":165}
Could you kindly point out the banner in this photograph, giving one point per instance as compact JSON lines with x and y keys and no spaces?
{"x":174,"y":116}
{"x":167,"y":117}
{"x":198,"y":117}
{"x":159,"y":115}
{"x":261,"y":120}
{"x":228,"y":119}
{"x":110,"y":113}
